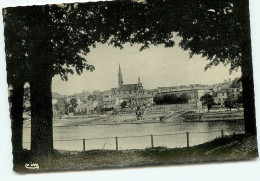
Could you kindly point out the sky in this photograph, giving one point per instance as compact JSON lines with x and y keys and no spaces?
{"x":157,"y":67}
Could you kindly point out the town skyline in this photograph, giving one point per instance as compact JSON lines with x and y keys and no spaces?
{"x":182,"y":86}
{"x":156,"y":67}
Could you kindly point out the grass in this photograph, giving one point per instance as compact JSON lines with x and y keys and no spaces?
{"x":236,"y":147}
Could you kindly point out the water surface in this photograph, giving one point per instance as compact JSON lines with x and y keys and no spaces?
{"x":199,"y":132}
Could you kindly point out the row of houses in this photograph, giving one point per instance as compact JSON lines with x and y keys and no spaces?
{"x":87,"y":105}
{"x":135,"y":95}
{"x":220,"y":92}
{"x":64,"y":105}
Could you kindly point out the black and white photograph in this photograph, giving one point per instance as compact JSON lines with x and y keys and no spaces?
{"x":129,"y":84}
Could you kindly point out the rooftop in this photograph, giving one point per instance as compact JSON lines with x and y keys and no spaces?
{"x":128,"y":87}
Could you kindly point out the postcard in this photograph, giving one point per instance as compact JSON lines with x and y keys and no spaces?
{"x":129,"y":83}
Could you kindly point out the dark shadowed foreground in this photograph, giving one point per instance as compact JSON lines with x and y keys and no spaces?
{"x":236,"y":147}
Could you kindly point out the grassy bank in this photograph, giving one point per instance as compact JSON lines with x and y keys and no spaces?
{"x":236,"y":147}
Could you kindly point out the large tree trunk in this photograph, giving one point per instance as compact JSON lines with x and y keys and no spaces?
{"x":16,"y":110}
{"x":248,"y":95}
{"x":40,"y":86}
{"x":247,"y":70}
{"x":42,"y":115}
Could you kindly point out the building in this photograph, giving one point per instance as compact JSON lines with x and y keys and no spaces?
{"x":142,"y":100}
{"x":126,"y":88}
{"x":229,"y":88}
{"x":234,"y":93}
{"x":87,"y":107}
{"x":164,"y":89}
{"x":222,"y":95}
{"x":112,"y":102}
{"x":194,"y":94}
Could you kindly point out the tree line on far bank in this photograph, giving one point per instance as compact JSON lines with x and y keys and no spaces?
{"x":207,"y":100}
{"x":229,"y":102}
{"x":171,"y":99}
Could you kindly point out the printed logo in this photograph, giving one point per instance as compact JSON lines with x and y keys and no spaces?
{"x":32,"y":166}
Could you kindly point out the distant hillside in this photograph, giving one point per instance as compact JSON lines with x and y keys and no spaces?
{"x":56,"y":95}
{"x":82,"y":94}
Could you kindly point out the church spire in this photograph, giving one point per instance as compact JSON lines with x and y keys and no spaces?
{"x":120,"y":77}
{"x":119,"y":71}
{"x":139,"y":80}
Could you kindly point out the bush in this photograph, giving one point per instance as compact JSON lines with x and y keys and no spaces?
{"x":107,"y":109}
{"x":171,"y":99}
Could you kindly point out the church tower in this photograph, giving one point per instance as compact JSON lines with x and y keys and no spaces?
{"x":139,"y":84}
{"x":120,"y":77}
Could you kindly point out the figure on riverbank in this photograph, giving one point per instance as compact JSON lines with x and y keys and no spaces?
{"x":139,"y":113}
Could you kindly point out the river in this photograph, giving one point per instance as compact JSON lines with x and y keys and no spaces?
{"x":173,"y":134}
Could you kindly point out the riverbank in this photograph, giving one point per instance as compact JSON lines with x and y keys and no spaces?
{"x":234,"y":115}
{"x":236,"y":147}
{"x":110,"y":120}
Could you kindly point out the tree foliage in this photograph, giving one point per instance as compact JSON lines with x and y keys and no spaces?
{"x":207,"y":100}
{"x":171,"y":99}
{"x":73,"y":102}
{"x":203,"y":24}
{"x":123,"y":104}
{"x":105,"y":109}
{"x":72,"y":29}
{"x":229,"y":102}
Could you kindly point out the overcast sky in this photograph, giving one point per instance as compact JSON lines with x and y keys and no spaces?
{"x":156,"y":66}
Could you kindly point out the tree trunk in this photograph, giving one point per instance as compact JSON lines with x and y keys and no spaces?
{"x":16,"y":112}
{"x":40,"y":86}
{"x":247,"y":70}
{"x":248,"y":94}
{"x":42,"y":115}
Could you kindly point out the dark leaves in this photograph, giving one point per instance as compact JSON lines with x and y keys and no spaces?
{"x":55,"y":36}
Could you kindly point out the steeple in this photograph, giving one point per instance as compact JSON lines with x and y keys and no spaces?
{"x":120,"y":77}
{"x":139,"y":80}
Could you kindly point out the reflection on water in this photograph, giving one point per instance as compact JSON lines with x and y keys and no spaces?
{"x":77,"y":133}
